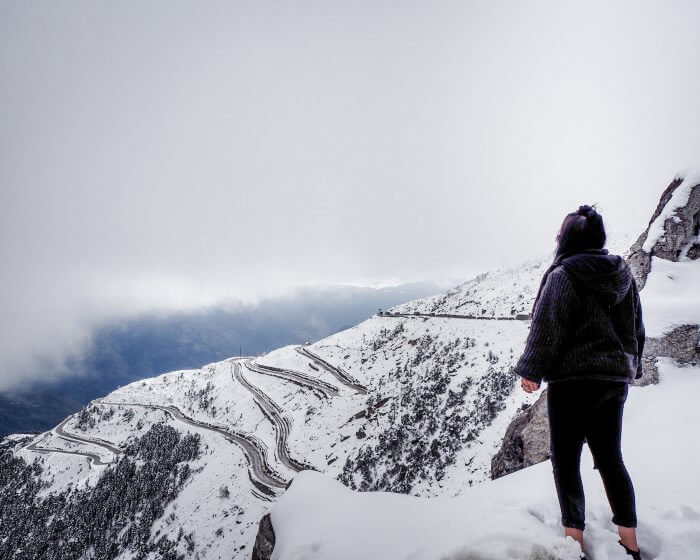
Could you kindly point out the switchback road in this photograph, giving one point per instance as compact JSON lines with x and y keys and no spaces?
{"x":340,"y":374}
{"x":297,"y":377}
{"x":274,"y":414}
{"x":261,"y":474}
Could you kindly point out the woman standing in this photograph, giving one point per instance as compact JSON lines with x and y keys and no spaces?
{"x":586,"y":340}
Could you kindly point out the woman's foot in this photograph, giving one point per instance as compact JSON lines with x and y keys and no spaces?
{"x":628,"y":539}
{"x":576,"y":534}
{"x":635,"y":554}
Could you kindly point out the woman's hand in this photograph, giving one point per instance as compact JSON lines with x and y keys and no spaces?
{"x":528,"y":386}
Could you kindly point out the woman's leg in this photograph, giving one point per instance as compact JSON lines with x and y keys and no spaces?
{"x":576,"y":534}
{"x":567,"y":431}
{"x":604,"y":434}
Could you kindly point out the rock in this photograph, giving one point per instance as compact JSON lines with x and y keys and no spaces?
{"x":526,"y":441}
{"x":681,"y":344}
{"x":680,"y":240}
{"x":650,"y":374}
{"x":265,"y":540}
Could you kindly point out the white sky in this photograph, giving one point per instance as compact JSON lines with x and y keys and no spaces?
{"x":164,"y":154}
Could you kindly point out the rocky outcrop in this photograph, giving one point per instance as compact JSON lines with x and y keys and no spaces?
{"x":682,"y":344}
{"x":265,"y":540}
{"x":526,"y":441}
{"x":673,"y":232}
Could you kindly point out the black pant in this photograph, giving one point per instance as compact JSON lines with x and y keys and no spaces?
{"x":590,"y":409}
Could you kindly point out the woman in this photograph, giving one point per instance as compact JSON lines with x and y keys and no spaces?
{"x":586,"y":341}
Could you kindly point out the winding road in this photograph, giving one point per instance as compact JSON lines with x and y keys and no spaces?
{"x":263,"y":477}
{"x":94,"y":441}
{"x":267,"y":483}
{"x":417,"y":315}
{"x":273,"y":413}
{"x":296,"y":377}
{"x":340,"y":374}
{"x":94,"y":458}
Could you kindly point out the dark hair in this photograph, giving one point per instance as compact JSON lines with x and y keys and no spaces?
{"x":581,"y":230}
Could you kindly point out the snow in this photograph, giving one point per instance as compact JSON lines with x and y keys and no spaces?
{"x":517,"y":516}
{"x":679,"y":198}
{"x":671,"y":296}
{"x":225,"y":404}
{"x":503,"y":339}
{"x":498,"y":293}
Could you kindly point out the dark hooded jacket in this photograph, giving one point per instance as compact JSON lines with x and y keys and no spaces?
{"x":586,"y":321}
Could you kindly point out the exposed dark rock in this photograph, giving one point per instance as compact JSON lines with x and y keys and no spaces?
{"x":265,"y":540}
{"x":694,"y":252}
{"x":526,"y":441}
{"x":681,"y":344}
{"x":650,"y":374}
{"x":680,"y":239}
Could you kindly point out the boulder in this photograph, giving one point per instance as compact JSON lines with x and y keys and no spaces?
{"x":682,"y":344}
{"x":526,"y":441}
{"x":265,"y":540}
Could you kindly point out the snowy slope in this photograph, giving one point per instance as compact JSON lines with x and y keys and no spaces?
{"x":501,"y":293}
{"x":671,"y":296}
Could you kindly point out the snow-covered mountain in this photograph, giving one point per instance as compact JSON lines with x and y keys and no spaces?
{"x":412,"y":405}
{"x":184,"y":465}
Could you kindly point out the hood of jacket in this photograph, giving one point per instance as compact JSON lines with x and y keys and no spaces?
{"x":608,"y":276}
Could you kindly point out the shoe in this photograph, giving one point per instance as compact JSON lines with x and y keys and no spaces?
{"x":635,"y":554}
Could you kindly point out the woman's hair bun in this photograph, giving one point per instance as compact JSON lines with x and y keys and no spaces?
{"x":586,"y":210}
{"x":576,"y":234}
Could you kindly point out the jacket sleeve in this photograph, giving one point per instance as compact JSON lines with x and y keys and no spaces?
{"x":639,"y":330}
{"x":549,"y":328}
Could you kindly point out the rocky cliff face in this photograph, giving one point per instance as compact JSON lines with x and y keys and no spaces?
{"x":673,"y":234}
{"x":265,"y":539}
{"x":526,"y":441}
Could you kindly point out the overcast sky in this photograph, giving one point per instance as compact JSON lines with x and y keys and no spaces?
{"x":164,"y":154}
